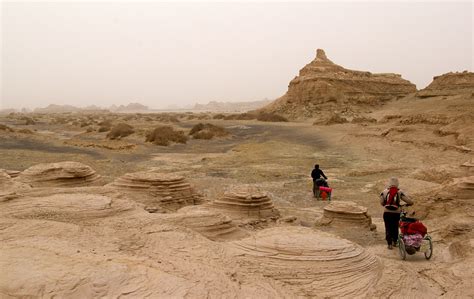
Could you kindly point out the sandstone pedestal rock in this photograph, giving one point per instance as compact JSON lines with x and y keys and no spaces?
{"x":211,"y":224}
{"x":166,"y":190}
{"x":246,"y":202}
{"x":62,"y":174}
{"x":323,"y":85}
{"x":310,"y":263}
{"x":346,"y":213}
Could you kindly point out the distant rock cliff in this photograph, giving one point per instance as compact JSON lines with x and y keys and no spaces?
{"x":214,"y":106}
{"x":449,"y":84}
{"x":324,"y":86}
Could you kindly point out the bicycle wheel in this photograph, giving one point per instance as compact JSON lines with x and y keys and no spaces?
{"x":401,"y":248}
{"x":429,"y":252}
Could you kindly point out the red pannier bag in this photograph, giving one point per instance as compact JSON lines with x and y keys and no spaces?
{"x":416,"y":228}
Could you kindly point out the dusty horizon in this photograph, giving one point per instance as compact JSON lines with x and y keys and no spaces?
{"x":164,"y":54}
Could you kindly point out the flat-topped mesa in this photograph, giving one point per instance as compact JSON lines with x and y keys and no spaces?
{"x":62,"y":174}
{"x":308,"y":262}
{"x":346,"y":213}
{"x":323,"y":85}
{"x":246,"y":202}
{"x":166,"y":190}
{"x":210,"y":224}
{"x":449,"y":84}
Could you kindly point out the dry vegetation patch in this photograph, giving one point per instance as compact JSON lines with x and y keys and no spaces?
{"x":207,"y":131}
{"x":271,"y":117}
{"x":164,"y":135}
{"x":120,"y":130}
{"x":5,"y":128}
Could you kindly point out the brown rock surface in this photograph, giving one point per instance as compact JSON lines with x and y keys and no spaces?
{"x":10,"y":189}
{"x":62,"y":174}
{"x":211,"y":224}
{"x":246,"y":201}
{"x":322,"y":85}
{"x":311,"y":263}
{"x":346,"y":213}
{"x":163,"y":189}
{"x":449,"y":84}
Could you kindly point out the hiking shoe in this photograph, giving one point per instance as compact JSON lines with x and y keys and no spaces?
{"x":390,"y":246}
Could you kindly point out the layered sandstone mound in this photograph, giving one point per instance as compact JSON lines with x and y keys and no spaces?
{"x":310,"y":263}
{"x":68,"y":207}
{"x":461,"y":188}
{"x":62,"y":174}
{"x":166,"y":190}
{"x":449,"y":84}
{"x":10,"y":189}
{"x":246,"y":202}
{"x":322,"y":85}
{"x":211,"y":224}
{"x":346,"y":213}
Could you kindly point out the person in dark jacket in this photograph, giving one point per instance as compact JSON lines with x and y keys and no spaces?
{"x":317,"y":180}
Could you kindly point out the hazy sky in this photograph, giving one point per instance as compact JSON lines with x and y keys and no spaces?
{"x":162,"y":54}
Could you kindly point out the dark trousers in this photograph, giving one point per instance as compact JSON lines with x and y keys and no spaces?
{"x":391,"y":226}
{"x":315,"y":189}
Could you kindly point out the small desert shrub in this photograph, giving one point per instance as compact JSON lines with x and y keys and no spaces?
{"x":362,"y":119}
{"x":219,"y":116}
{"x":28,"y":120}
{"x":207,"y":131}
{"x":25,"y":131}
{"x":5,"y":128}
{"x":388,"y":118}
{"x":271,"y":117}
{"x":90,"y":129}
{"x":164,"y":135}
{"x":105,"y":126}
{"x":331,"y":120}
{"x":120,"y":130}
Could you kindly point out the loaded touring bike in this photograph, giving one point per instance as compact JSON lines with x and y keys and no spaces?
{"x":413,"y":237}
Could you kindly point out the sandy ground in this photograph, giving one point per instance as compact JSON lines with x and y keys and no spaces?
{"x":128,"y":252}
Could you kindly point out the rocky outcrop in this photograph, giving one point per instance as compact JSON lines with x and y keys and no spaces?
{"x":246,"y":202}
{"x":449,"y":84}
{"x":346,"y":213}
{"x":323,"y":85}
{"x":63,"y":207}
{"x":10,"y":189}
{"x":62,"y":174}
{"x":208,"y":223}
{"x":165,"y":190}
{"x":310,"y":263}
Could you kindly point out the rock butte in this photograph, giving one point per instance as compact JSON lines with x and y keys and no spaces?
{"x":62,"y":174}
{"x":311,"y":263}
{"x":210,"y":224}
{"x":450,"y":84}
{"x":346,"y":213}
{"x":323,"y":85}
{"x":166,"y":190}
{"x":246,"y":202}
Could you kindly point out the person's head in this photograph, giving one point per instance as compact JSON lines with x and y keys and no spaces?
{"x":316,"y":166}
{"x":393,"y":182}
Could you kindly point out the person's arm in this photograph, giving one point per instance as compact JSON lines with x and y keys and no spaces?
{"x":312,"y":174}
{"x":382,"y":198}
{"x":324,"y":176}
{"x":406,"y":199}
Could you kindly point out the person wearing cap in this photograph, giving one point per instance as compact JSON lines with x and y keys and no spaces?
{"x":390,"y":199}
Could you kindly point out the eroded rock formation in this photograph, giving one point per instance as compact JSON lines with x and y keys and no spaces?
{"x":211,"y":224}
{"x":323,"y":85}
{"x":449,"y":84}
{"x":62,"y":174}
{"x":163,"y":189}
{"x":346,"y":213}
{"x":311,"y":263}
{"x":246,"y":202}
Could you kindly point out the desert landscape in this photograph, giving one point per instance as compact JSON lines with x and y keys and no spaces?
{"x":100,"y":203}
